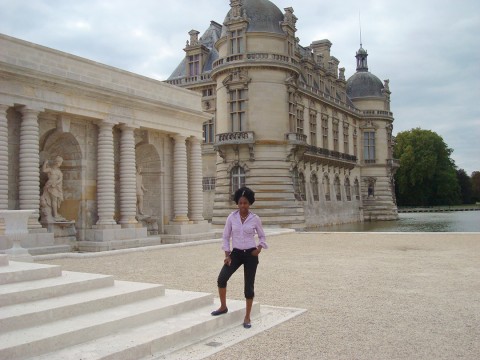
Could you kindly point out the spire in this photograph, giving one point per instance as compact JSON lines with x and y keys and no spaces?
{"x":361,"y":53}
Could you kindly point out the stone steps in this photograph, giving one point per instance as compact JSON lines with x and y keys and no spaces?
{"x":49,"y":314}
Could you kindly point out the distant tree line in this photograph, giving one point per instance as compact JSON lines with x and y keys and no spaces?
{"x":427,"y":175}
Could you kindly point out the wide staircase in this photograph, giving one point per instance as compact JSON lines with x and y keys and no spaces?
{"x":47,"y":313}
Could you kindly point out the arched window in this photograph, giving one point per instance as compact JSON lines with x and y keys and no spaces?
{"x":356,"y":187}
{"x":348,"y":191}
{"x":336,"y":185}
{"x":314,"y":184}
{"x":237,"y":178}
{"x":326,"y":187}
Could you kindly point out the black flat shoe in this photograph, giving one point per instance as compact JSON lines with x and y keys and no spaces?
{"x":247,"y":325}
{"x":219,"y":312}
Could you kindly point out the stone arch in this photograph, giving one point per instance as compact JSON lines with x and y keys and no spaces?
{"x":148,"y":160}
{"x":55,"y":143}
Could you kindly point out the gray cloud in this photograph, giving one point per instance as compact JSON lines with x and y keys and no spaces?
{"x":428,"y":49}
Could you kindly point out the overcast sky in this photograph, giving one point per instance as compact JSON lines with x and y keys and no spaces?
{"x":429,"y":49}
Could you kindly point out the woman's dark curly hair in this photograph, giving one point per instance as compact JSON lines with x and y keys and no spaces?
{"x":246,"y":193}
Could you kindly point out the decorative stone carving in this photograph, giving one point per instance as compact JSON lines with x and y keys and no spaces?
{"x":52,"y":195}
{"x":141,"y":190}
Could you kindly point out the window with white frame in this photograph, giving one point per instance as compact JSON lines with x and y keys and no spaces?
{"x":238,"y":109}
{"x":335,"y":135}
{"x":194,"y":65}
{"x":292,"y":111}
{"x":313,"y":128}
{"x":369,"y":147}
{"x":236,"y":42}
{"x":208,"y":132}
{"x":208,"y":183}
{"x":237,"y":178}
{"x":346,"y":145}
{"x":300,"y":120}
{"x":325,"y":131}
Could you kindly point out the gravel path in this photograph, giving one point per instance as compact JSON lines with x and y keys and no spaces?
{"x":367,"y":295}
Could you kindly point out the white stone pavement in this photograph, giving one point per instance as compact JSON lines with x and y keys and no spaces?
{"x":367,"y":295}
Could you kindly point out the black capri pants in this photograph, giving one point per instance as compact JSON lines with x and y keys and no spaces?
{"x":249,"y":262}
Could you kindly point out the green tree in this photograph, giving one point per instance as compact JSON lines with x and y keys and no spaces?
{"x":465,"y":186}
{"x":476,"y":186}
{"x":427,"y":174}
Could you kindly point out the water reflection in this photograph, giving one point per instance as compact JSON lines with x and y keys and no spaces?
{"x":459,"y":221}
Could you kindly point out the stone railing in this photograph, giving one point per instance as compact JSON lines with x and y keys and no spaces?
{"x":233,"y":138}
{"x":255,"y":57}
{"x":336,"y":155}
{"x":190,"y":80}
{"x":378,"y":113}
{"x":393,"y":163}
{"x":296,"y":138}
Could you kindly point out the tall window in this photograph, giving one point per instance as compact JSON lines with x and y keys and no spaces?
{"x":348,"y":191}
{"x":314,"y":184}
{"x":194,"y":65}
{"x":355,"y":144}
{"x":335,"y":135}
{"x":313,"y":128}
{"x":325,"y":131}
{"x":369,"y":147}
{"x":237,"y":177}
{"x":326,"y":187}
{"x":346,"y":145}
{"x":236,"y":42}
{"x":290,"y":49}
{"x":208,"y":132}
{"x":338,"y":191}
{"x":389,"y":143}
{"x":238,"y":108}
{"x":292,"y":111}
{"x":300,"y":120}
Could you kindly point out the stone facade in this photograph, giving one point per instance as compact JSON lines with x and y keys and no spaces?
{"x":104,"y":122}
{"x":287,"y":123}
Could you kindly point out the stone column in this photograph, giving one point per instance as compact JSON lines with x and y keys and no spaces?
{"x":128,"y":178}
{"x":180,"y":180}
{"x":195,"y":181}
{"x":105,"y":176}
{"x":29,"y":165}
{"x":3,"y":158}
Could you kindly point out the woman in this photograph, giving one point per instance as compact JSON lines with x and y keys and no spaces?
{"x":241,"y":226}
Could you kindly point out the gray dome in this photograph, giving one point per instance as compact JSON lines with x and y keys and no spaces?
{"x":364,"y":84}
{"x":264,"y":16}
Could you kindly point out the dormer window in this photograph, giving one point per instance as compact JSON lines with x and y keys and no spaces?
{"x":194,"y":65}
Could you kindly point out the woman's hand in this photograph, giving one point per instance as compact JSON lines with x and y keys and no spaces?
{"x":228,"y":260}
{"x":257,"y":251}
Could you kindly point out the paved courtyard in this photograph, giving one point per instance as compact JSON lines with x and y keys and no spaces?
{"x":367,"y":295}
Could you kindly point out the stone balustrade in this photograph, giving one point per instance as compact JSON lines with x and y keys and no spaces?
{"x":234,"y":138}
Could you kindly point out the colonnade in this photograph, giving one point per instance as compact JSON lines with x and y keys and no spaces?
{"x":187,"y":173}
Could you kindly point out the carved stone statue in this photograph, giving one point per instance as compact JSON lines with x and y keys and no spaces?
{"x":52,"y":195}
{"x":141,"y":190}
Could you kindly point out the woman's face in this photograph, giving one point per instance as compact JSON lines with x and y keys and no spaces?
{"x":243,"y":204}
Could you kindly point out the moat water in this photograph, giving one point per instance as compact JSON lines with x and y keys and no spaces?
{"x":455,"y":221}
